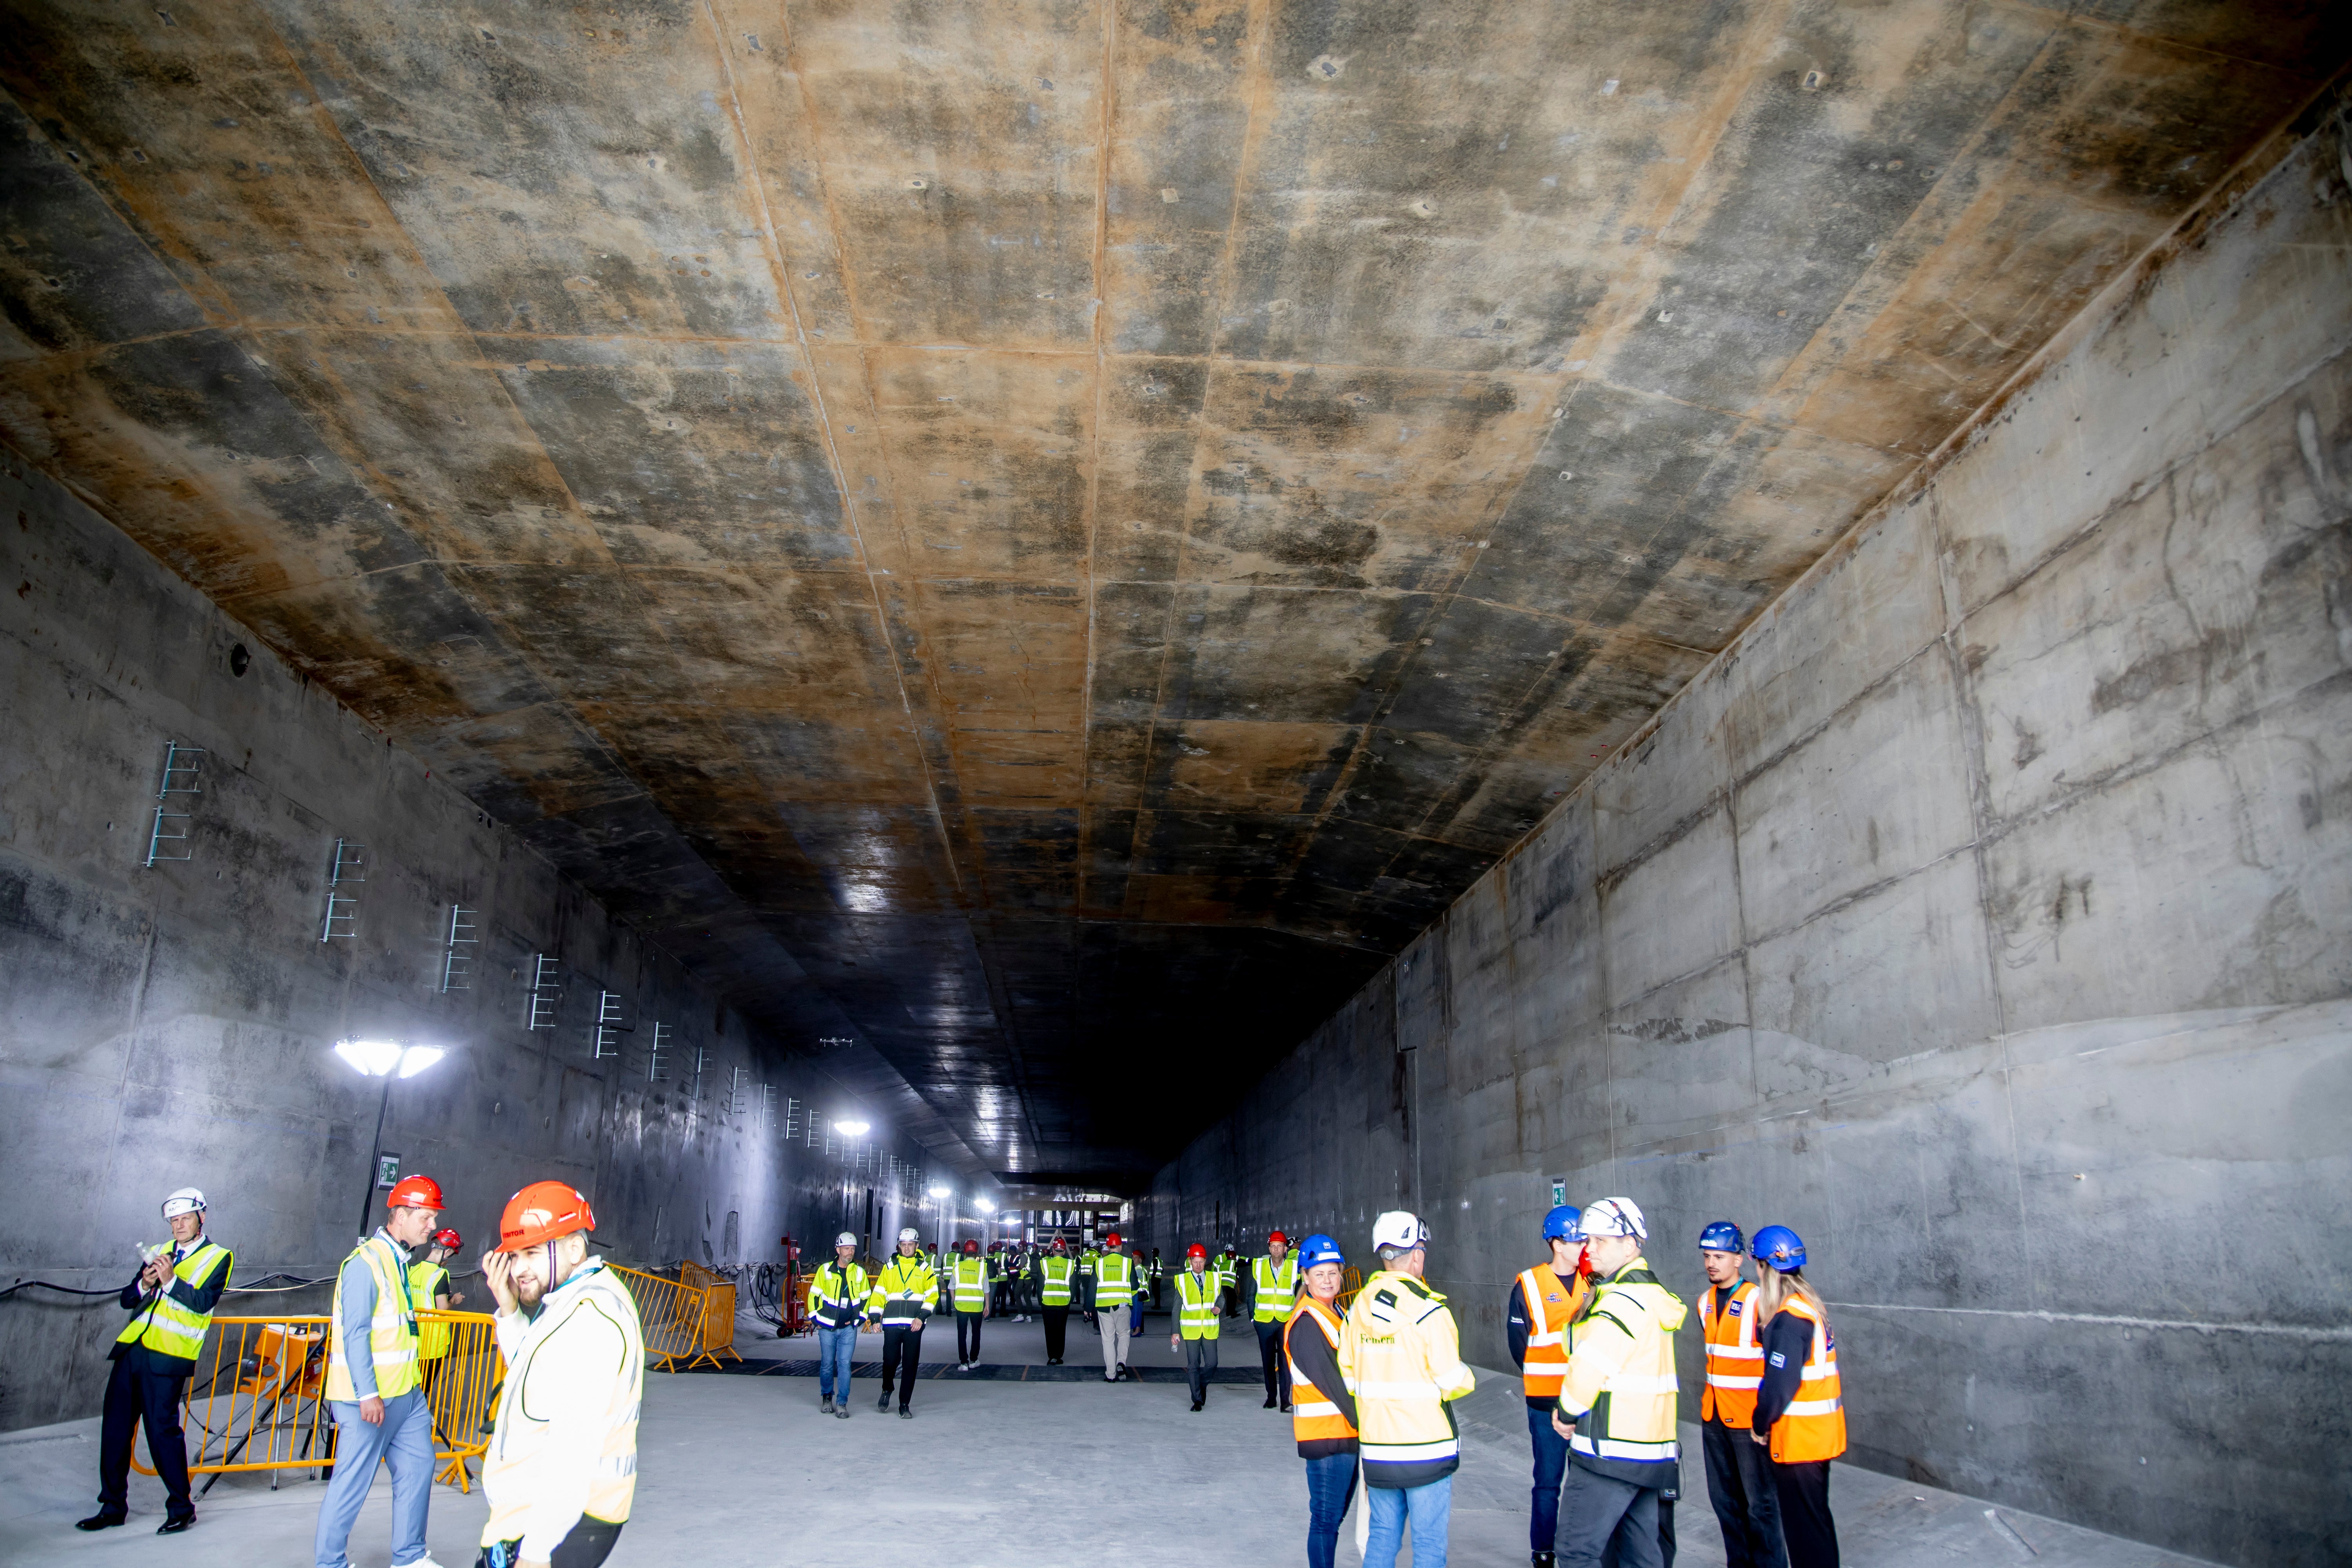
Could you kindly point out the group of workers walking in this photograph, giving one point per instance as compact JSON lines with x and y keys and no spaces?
{"x":1592,"y":1331}
{"x":560,"y":1472}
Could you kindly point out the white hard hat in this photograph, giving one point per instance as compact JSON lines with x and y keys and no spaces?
{"x":1399,"y":1228}
{"x":187,"y":1200}
{"x":845,"y":1239}
{"x":1615,"y":1216}
{"x":910,"y":1234}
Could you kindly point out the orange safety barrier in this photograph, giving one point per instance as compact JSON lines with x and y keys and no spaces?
{"x":684,"y":1325}
{"x":257,"y":1401}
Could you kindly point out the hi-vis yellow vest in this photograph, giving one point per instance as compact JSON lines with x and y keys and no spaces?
{"x":426,"y":1280}
{"x":167,"y":1327}
{"x":587,"y":1341}
{"x":1277,"y":1286}
{"x":392,"y":1332}
{"x":1114,"y":1280}
{"x":972,"y":1284}
{"x":1057,"y":1274}
{"x":1196,"y":1303}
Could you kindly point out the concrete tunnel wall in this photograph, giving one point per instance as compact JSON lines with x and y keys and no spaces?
{"x":1983,"y":914}
{"x":169,"y":1026}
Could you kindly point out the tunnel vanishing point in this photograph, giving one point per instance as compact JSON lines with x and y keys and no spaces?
{"x":1261,"y":610}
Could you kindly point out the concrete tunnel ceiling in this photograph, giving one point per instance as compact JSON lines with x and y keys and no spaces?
{"x":1048,"y":540}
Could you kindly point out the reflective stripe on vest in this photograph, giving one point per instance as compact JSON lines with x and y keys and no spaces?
{"x":1058,"y":1274}
{"x":971,"y":1283}
{"x":1813,"y":1426}
{"x":1550,"y":1306}
{"x":1196,"y":1304}
{"x":392,"y":1332}
{"x":1114,"y":1279}
{"x":1313,"y":1417}
{"x":1735,"y":1361}
{"x":165,"y":1326}
{"x":427,"y":1279}
{"x":1276,"y":1286}
{"x":903,"y":1291}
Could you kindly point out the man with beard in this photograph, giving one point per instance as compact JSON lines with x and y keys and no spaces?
{"x":562,"y":1468}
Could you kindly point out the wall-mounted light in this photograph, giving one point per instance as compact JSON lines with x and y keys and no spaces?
{"x":983,"y":1205}
{"x":852,"y":1129}
{"x":940,"y":1189}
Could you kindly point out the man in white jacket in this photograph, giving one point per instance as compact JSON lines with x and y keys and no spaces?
{"x":562,"y":1464}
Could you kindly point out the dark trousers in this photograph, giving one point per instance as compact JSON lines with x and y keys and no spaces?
{"x":1272,"y":1361}
{"x":1550,"y":1469}
{"x":1805,"y":1521}
{"x":137,"y":1394}
{"x":1057,"y":1331}
{"x":1200,"y":1362}
{"x":1330,"y":1483}
{"x":968,"y":1345}
{"x":585,"y":1545}
{"x":1739,"y":1484}
{"x":1605,"y":1520}
{"x":902,"y":1352}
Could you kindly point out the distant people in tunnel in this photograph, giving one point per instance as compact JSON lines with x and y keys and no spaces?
{"x":1197,"y":1287}
{"x":1269,"y":1290}
{"x":1114,"y":1290}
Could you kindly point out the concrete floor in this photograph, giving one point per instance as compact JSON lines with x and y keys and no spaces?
{"x":993,"y":1471}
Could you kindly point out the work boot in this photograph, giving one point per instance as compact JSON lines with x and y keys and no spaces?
{"x":842,"y":1410}
{"x":883,"y":1402}
{"x":905,"y":1414}
{"x":98,"y":1521}
{"x":1269,"y":1403}
{"x":1196,"y":1405}
{"x":826,"y":1408}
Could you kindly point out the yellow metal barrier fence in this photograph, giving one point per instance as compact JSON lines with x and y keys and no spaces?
{"x":1350,"y":1283}
{"x":257,"y":1401}
{"x":686,"y":1324}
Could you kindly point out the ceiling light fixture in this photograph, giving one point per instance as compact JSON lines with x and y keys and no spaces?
{"x":852,"y":1129}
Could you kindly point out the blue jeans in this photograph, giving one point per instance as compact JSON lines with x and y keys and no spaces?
{"x":1330,"y":1484}
{"x":1552,"y":1468}
{"x":404,"y":1442}
{"x":1431,"y":1508}
{"x":834,"y":1349}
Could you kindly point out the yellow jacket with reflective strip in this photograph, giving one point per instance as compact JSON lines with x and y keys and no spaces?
{"x":1400,"y":1353}
{"x":1620,"y":1387}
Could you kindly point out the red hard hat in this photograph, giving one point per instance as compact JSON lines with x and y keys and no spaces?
{"x":448,"y":1238}
{"x":1196,"y":1250}
{"x":415,"y":1193}
{"x":541,"y":1212}
{"x":971,"y":1246}
{"x":1114,"y":1239}
{"x":1278,"y":1237}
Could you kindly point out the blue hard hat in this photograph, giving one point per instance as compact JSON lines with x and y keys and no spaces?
{"x":1319,"y":1249}
{"x":1782,"y":1247}
{"x":1723,"y":1236}
{"x":1565,"y":1223}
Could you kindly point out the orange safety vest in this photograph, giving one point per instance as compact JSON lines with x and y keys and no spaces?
{"x":1813,"y":1426}
{"x":1550,"y":1312}
{"x":1735,"y":1361}
{"x":1313,"y":1417}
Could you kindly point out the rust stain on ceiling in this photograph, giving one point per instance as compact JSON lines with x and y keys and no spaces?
{"x":1058,"y":533}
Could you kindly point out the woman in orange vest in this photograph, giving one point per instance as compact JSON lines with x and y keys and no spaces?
{"x":1800,"y":1408}
{"x":1322,"y":1411}
{"x":1543,"y":1301}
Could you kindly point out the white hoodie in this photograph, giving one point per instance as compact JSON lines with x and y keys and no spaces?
{"x":566,"y":1443}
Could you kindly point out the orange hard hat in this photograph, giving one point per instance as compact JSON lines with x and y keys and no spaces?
{"x":1277,"y":1237}
{"x":1196,"y":1250}
{"x":415,"y":1193}
{"x":541,"y":1212}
